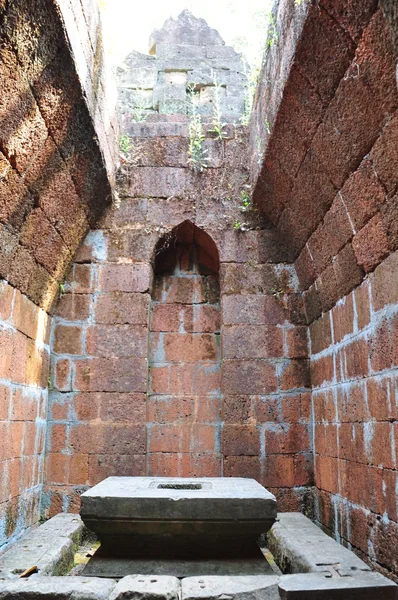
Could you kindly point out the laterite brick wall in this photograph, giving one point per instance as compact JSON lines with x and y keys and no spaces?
{"x":329,"y":184}
{"x":184,"y":402}
{"x":354,"y":378}
{"x":249,"y":413}
{"x":24,"y":369}
{"x":53,"y":184}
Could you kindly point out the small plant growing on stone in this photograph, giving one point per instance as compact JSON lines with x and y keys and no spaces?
{"x":246,"y":204}
{"x":218,"y":125}
{"x":116,"y":198}
{"x":197,"y":160}
{"x":278,"y":293}
{"x":196,"y":152}
{"x":139,"y":114}
{"x":138,"y":110}
{"x":238,"y":226}
{"x":125,"y":144}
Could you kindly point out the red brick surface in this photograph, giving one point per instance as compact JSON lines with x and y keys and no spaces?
{"x":183,"y":353}
{"x":24,"y":370}
{"x":201,"y":351}
{"x":354,"y":444}
{"x":184,"y":403}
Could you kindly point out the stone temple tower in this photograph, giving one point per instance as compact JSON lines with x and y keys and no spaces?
{"x":185,"y":55}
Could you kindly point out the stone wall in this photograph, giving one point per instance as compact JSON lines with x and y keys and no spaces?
{"x":53,"y":179}
{"x":100,"y":420}
{"x":24,"y":362}
{"x":83,"y":28}
{"x":329,"y":183}
{"x":316,"y":254}
{"x":186,"y":55}
{"x":53,"y":185}
{"x":354,"y":379}
{"x":184,"y":403}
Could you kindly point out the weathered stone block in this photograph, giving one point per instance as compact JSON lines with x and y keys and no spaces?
{"x":159,"y":587}
{"x":185,"y":379}
{"x":142,"y":77}
{"x":50,"y":548}
{"x":164,"y":93}
{"x":125,"y":277}
{"x":117,"y":340}
{"x":236,"y":587}
{"x":135,"y":101}
{"x":122,"y":308}
{"x":249,"y":376}
{"x":252,"y":341}
{"x":295,"y":542}
{"x":186,"y":438}
{"x":252,"y":310}
{"x":157,"y":182}
{"x":345,"y":586}
{"x":48,"y":588}
{"x":173,"y":51}
{"x":187,"y":29}
{"x":110,"y":375}
{"x":238,"y":510}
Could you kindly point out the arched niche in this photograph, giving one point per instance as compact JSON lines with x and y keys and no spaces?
{"x":184,"y":397}
{"x":190,"y":240}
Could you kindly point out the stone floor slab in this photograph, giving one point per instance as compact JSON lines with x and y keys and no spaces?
{"x":117,"y":568}
{"x":56,"y":588}
{"x":257,"y":587}
{"x":141,"y":587}
{"x":50,"y":548}
{"x":299,"y":546}
{"x":364,"y":585}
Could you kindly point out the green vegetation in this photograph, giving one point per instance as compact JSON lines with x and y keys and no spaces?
{"x":125,"y":144}
{"x":272,"y":33}
{"x":252,"y":76}
{"x":246,"y":204}
{"x":218,"y":126}
{"x":278,"y":293}
{"x":237,"y":225}
{"x":196,"y":152}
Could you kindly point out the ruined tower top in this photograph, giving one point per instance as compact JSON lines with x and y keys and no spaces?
{"x":186,"y":30}
{"x":186,"y":54}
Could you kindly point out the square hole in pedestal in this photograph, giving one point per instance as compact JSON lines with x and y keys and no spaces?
{"x":180,"y":486}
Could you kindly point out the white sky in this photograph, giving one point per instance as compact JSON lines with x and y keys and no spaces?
{"x":128,"y":23}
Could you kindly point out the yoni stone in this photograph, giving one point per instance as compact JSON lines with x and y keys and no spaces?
{"x":177,"y":516}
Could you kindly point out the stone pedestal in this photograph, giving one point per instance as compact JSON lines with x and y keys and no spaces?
{"x":179,"y":518}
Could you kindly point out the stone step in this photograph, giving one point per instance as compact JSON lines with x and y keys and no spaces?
{"x":50,"y":548}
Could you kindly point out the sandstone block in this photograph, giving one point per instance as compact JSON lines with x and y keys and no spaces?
{"x":346,"y":586}
{"x":236,"y":509}
{"x":253,"y":587}
{"x":145,"y":587}
{"x":295,"y":542}
{"x":49,"y":588}
{"x":49,"y":547}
